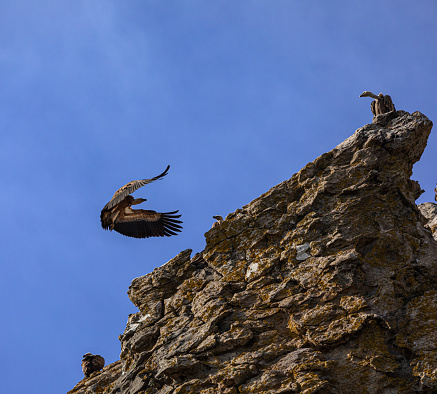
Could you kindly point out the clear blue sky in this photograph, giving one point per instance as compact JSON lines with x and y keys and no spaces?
{"x":236,"y":96}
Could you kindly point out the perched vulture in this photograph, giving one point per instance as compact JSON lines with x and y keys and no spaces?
{"x":218,"y":222}
{"x":118,"y":214}
{"x":92,"y":363}
{"x":381,"y":104}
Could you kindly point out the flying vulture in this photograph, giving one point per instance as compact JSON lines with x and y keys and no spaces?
{"x":118,"y":214}
{"x":381,"y":104}
{"x":92,"y":363}
{"x":218,"y":222}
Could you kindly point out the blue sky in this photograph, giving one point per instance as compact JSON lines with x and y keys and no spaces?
{"x":236,"y":96}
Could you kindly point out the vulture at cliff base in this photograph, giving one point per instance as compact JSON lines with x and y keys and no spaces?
{"x":118,"y":214}
{"x":381,"y":105}
{"x":92,"y":363}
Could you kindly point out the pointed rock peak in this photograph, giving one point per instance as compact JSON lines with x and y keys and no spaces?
{"x":324,"y":283}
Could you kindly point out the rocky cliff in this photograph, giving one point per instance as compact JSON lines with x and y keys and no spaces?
{"x":326,"y":283}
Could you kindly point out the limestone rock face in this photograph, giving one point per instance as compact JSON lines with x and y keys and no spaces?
{"x":326,"y":283}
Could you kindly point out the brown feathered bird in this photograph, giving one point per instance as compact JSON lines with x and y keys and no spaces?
{"x":381,"y":104}
{"x":118,"y":214}
{"x":219,"y":221}
{"x":92,"y":363}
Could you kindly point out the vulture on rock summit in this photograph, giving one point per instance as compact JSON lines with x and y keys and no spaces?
{"x":118,"y":214}
{"x":381,"y":104}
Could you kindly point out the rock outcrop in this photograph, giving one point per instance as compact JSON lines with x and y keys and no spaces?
{"x":326,"y":283}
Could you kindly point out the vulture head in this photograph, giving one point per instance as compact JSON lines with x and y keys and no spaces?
{"x":218,"y":222}
{"x":370,"y":94}
{"x":136,"y":201}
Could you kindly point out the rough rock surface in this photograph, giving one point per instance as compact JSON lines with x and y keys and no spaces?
{"x":326,"y":283}
{"x":100,"y":381}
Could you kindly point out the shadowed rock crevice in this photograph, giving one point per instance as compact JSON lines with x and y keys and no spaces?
{"x":325,"y":283}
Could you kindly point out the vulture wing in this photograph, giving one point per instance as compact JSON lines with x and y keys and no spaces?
{"x":372,"y":107}
{"x":130,"y":187}
{"x":98,"y":362}
{"x":92,"y":363}
{"x":140,"y":223}
{"x":389,"y":103}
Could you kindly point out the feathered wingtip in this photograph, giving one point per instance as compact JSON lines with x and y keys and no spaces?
{"x":170,"y":223}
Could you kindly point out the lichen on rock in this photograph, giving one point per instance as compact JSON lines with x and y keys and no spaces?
{"x":325,"y":283}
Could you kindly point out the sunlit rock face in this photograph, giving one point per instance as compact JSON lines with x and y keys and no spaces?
{"x":326,"y":283}
{"x":429,"y":211}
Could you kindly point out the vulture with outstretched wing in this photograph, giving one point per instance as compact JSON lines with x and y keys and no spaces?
{"x":381,"y":104}
{"x":92,"y":363}
{"x":118,"y":214}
